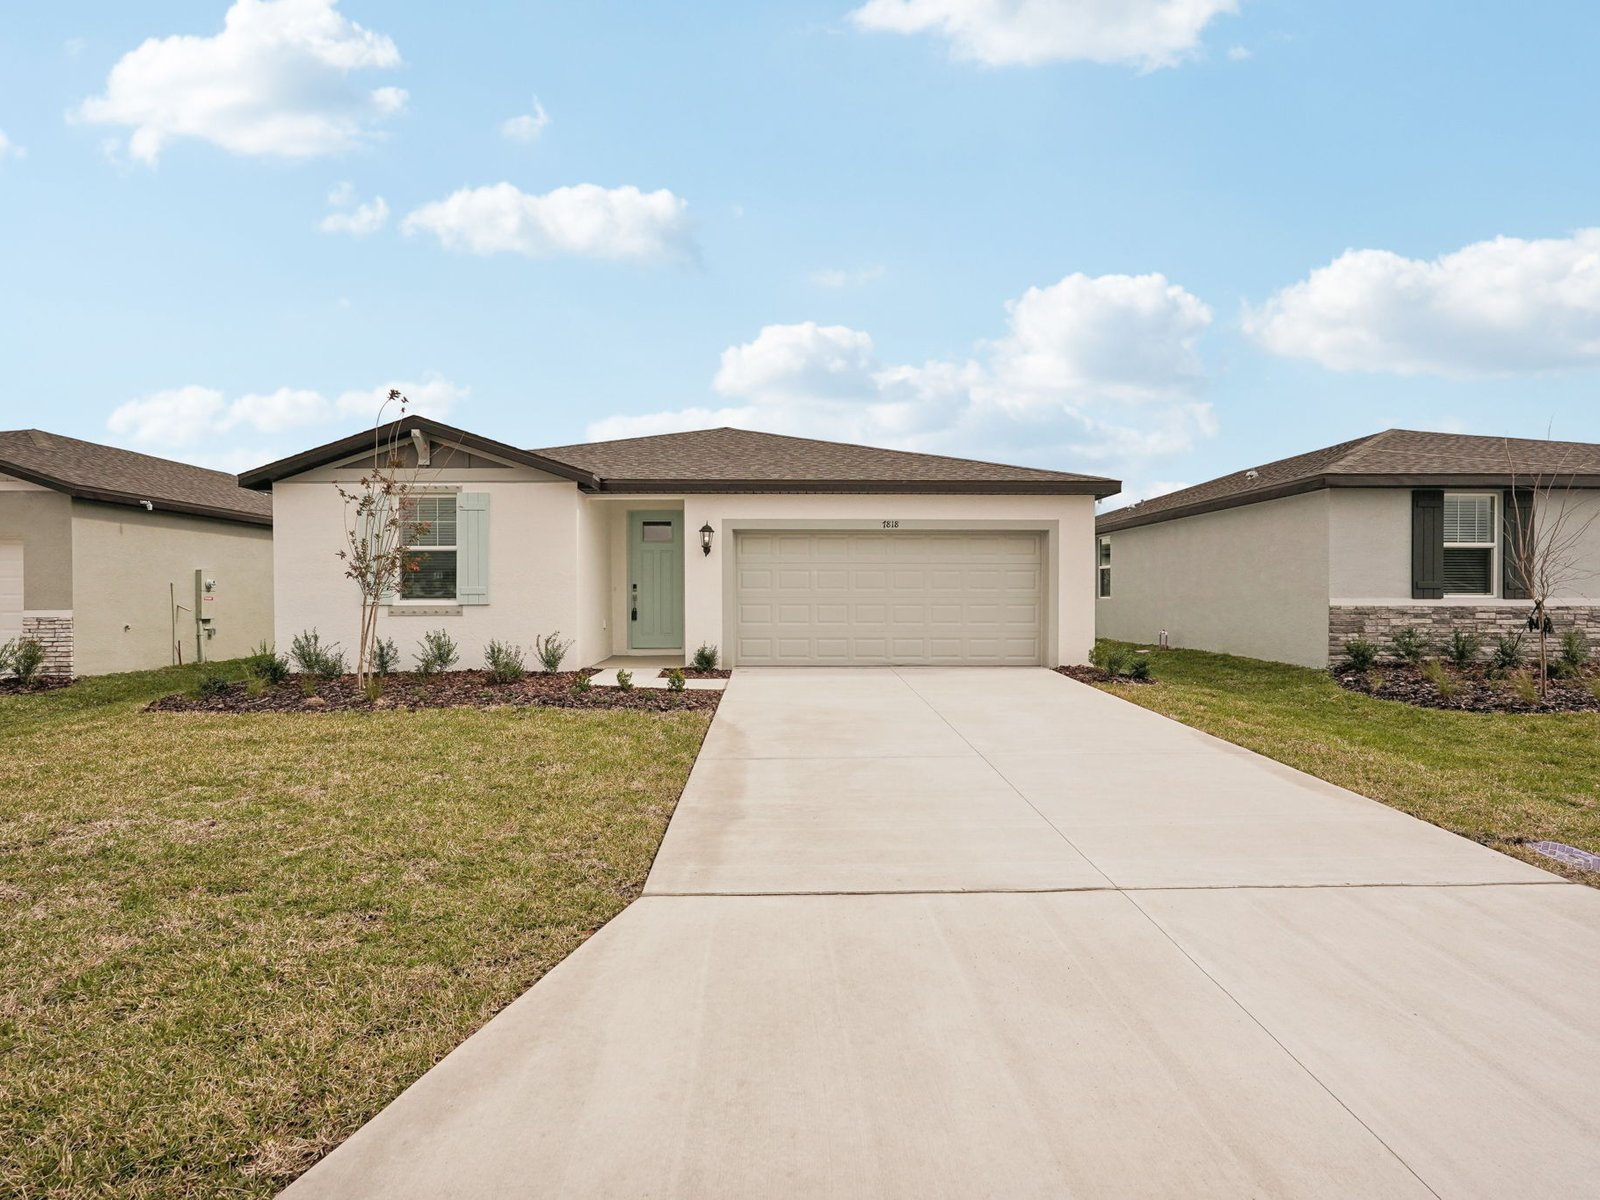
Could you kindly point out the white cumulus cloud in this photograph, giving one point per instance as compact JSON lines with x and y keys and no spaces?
{"x":1088,"y":369}
{"x":1144,"y":33}
{"x":582,"y":221}
{"x":1496,"y":307}
{"x":348,"y":216}
{"x":528,"y":126}
{"x":177,"y":418}
{"x":9,"y":149}
{"x":277,"y":81}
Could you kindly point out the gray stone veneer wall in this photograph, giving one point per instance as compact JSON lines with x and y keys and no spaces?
{"x":1437,"y":621}
{"x":55,"y":635}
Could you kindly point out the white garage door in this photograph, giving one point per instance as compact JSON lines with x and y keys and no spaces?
{"x":925,"y":598}
{"x":10,"y":590}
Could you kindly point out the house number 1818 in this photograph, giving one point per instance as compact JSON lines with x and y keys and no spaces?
{"x":891,"y":524}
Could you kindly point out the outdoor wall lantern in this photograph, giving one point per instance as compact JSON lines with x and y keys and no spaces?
{"x":705,"y":538}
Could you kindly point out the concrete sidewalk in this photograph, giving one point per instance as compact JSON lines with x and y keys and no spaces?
{"x":959,"y":933}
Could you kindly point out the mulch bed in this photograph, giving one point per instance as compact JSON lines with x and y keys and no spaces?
{"x":697,"y":673}
{"x":1096,"y":675}
{"x":46,"y":683}
{"x":1475,"y":690}
{"x":452,"y":689}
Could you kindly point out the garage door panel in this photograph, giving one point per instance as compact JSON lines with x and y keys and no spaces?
{"x":946,"y":597}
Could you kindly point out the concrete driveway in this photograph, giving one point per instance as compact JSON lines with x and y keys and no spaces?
{"x":921,"y":933}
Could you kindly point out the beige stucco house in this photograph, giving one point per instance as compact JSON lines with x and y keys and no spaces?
{"x":777,"y":550}
{"x":1288,"y":560}
{"x":100,"y":549}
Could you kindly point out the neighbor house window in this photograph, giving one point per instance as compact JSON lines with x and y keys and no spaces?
{"x":1104,"y":567}
{"x":431,"y":562}
{"x":1470,"y":544}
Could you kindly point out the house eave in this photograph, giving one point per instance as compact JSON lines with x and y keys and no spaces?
{"x":1098,"y":488}
{"x":133,"y":500}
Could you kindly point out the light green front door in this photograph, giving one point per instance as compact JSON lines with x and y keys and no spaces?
{"x":655,"y":580}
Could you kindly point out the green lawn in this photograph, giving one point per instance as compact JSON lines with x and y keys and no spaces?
{"x":227,"y":941}
{"x":1499,"y":779}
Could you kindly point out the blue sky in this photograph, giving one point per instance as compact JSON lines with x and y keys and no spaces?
{"x":1156,"y":240}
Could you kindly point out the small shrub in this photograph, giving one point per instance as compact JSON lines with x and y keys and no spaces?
{"x":550,"y":651}
{"x":705,"y":658}
{"x":581,"y":684}
{"x":1409,"y":645}
{"x":1574,"y":651}
{"x":675,"y":679}
{"x":505,"y":662}
{"x":211,"y":682}
{"x":254,"y":685}
{"x":1140,"y":667}
{"x":1509,"y":654}
{"x":385,"y":657}
{"x":1464,"y":648}
{"x":316,"y":658}
{"x":265,"y":665}
{"x":23,"y":657}
{"x":373,"y":688}
{"x":1116,"y":661}
{"x":438,"y":653}
{"x":1523,"y":686}
{"x":624,"y":680}
{"x":1360,"y":653}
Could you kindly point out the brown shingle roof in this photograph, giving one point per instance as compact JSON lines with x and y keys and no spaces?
{"x":91,"y":471}
{"x":1393,"y":458}
{"x":736,"y":460}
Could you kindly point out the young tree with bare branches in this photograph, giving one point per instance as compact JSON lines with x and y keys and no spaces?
{"x":1548,"y":525}
{"x":380,"y":526}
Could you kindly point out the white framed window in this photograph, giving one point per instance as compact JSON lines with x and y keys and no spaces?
{"x":430,"y":572}
{"x":1103,"y":567}
{"x":1471,"y":543}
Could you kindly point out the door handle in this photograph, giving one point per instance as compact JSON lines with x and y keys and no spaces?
{"x":635,"y":616}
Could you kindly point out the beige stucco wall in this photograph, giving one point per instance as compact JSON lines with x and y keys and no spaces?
{"x":595,"y":536}
{"x":42,"y":521}
{"x":1251,"y":580}
{"x":1067,"y":522}
{"x":1369,"y":547}
{"x":533,"y":565}
{"x":123,"y":560}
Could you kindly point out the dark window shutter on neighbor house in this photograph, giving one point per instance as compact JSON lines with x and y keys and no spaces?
{"x":1427,"y":544}
{"x":1518,"y":507}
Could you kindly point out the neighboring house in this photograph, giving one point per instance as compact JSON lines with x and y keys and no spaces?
{"x":1289,"y":560}
{"x":99,"y":550}
{"x":778,"y":550}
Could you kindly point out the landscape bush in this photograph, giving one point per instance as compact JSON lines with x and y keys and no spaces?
{"x":1464,"y":648}
{"x":1410,"y":645}
{"x":624,"y":680}
{"x":22,"y":657}
{"x":551,"y":651}
{"x":675,"y":679}
{"x":385,"y":657}
{"x":705,"y":658}
{"x":265,"y":664}
{"x":505,"y":662}
{"x":211,"y":682}
{"x":1361,"y":653}
{"x":1509,"y":654}
{"x":438,"y":653}
{"x":316,"y":658}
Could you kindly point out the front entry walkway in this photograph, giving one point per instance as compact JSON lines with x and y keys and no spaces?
{"x":992,"y":933}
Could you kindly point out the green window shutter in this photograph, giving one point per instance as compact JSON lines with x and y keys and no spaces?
{"x":1518,"y":508}
{"x":472,"y":541}
{"x":1427,"y":544}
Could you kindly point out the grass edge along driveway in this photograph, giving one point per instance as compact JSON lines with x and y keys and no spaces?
{"x":226,"y":941}
{"x":1500,"y":779}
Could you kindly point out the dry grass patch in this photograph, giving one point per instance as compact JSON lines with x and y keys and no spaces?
{"x":226,"y":942}
{"x":1502,"y":779}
